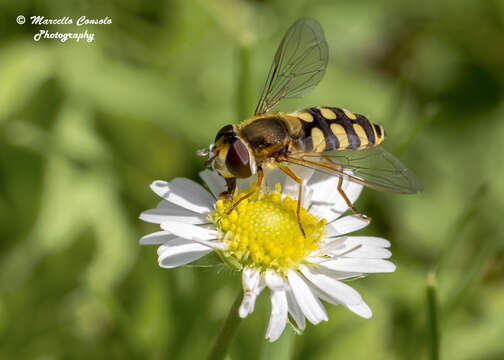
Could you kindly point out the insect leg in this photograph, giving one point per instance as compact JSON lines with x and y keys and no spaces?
{"x":328,"y":159}
{"x":293,"y":176}
{"x":231,"y":186}
{"x":332,"y":169}
{"x":342,"y":193}
{"x":260,"y":177}
{"x":349,"y":203}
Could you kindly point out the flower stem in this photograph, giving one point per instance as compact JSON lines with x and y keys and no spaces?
{"x":228,"y":331}
{"x":432,"y":313}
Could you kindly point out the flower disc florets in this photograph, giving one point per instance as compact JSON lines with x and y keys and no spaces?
{"x":262,"y":232}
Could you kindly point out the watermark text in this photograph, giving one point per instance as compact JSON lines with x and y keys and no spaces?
{"x":81,"y":21}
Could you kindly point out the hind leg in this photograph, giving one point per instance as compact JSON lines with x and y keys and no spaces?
{"x":349,"y":203}
{"x":293,"y":176}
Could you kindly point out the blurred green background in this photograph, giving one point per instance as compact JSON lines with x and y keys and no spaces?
{"x":86,"y":127}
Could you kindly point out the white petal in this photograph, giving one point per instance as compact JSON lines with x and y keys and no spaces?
{"x":352,"y":190}
{"x":323,"y":296}
{"x":157,"y":238}
{"x":215,"y":182}
{"x":353,"y":241}
{"x":338,"y":275}
{"x":324,"y":188}
{"x":295,"y":311}
{"x":364,"y":252}
{"x":361,"y":309}
{"x":247,"y":305}
{"x":174,"y":242}
{"x":345,"y":247}
{"x":339,"y":291}
{"x":290,"y":187}
{"x":331,"y":244}
{"x":244,"y":184}
{"x":251,"y":279}
{"x":309,"y":304}
{"x":252,"y":287}
{"x":324,"y":211}
{"x":158,"y":215}
{"x":307,"y":196}
{"x":325,"y":192}
{"x":345,"y":225}
{"x":278,"y":318}
{"x":316,"y":257}
{"x":273,"y":280}
{"x":176,"y":255}
{"x":273,"y":177}
{"x":188,"y":231}
{"x":185,"y":193}
{"x":165,"y":204}
{"x":368,"y":241}
{"x":359,"y":265}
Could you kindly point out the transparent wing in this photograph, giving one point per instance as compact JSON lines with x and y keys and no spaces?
{"x":375,"y":168}
{"x":299,"y":64}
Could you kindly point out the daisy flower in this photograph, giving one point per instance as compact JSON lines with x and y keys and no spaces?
{"x":262,"y":239}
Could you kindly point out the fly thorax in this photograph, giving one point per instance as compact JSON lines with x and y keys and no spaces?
{"x":266,"y":135}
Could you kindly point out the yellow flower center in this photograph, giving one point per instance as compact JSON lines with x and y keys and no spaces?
{"x":262,"y":232}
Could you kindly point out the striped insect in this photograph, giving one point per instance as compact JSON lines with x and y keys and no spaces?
{"x":327,"y":139}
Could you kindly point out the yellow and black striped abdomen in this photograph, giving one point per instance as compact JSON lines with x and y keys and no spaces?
{"x":331,"y":128}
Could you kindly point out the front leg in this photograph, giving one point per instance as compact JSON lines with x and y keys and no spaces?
{"x":256,"y":186}
{"x":231,"y":187}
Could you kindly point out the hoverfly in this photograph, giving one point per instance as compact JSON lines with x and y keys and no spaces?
{"x":327,"y":139}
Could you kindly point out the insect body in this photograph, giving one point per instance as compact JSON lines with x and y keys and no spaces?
{"x":328,"y":129}
{"x":327,"y":139}
{"x":311,"y":130}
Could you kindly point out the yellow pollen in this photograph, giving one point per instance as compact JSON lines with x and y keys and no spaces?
{"x":262,"y":232}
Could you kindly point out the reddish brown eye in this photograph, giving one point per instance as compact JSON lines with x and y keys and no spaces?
{"x":238,"y":160}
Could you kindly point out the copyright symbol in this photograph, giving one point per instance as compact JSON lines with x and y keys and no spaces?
{"x":20,"y":19}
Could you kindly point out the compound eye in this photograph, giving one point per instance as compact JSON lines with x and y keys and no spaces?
{"x":225,"y":131}
{"x":238,"y":160}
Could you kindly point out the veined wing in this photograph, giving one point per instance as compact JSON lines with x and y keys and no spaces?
{"x":375,"y":168}
{"x":299,"y":64}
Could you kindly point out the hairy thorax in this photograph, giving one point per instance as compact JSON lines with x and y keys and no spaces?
{"x":266,"y":136}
